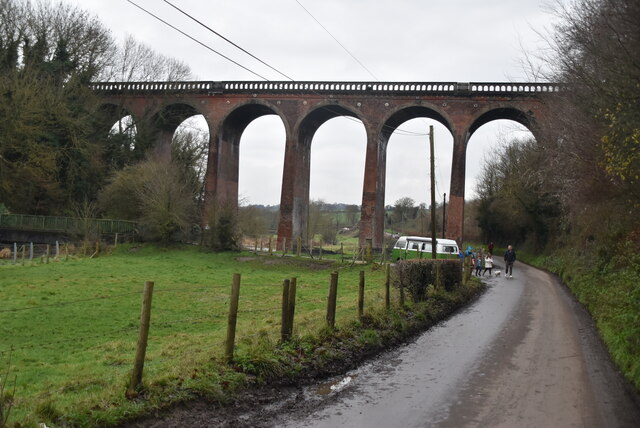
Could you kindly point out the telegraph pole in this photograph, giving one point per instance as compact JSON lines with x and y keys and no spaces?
{"x":444,"y":213}
{"x":434,"y":241}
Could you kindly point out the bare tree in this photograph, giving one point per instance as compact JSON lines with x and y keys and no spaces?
{"x":137,"y":62}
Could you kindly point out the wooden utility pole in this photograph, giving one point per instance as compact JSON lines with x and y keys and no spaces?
{"x":434,"y":241}
{"x":444,"y":213}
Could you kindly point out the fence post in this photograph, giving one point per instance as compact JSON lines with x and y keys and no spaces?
{"x":255,"y":247}
{"x":66,"y":251}
{"x":387,"y":283}
{"x":115,"y":241}
{"x":292,"y":304}
{"x":284,"y":328}
{"x":138,"y":365}
{"x":15,"y":252}
{"x":401,"y":293}
{"x":270,"y":250}
{"x":30,"y":251}
{"x":369,"y":250}
{"x":233,"y":318}
{"x":299,"y":249}
{"x":23,"y":246}
{"x":284,"y":246}
{"x":48,"y":250}
{"x":342,"y":252}
{"x":57,"y":250}
{"x":361,"y":296}
{"x":320,"y":249}
{"x":331,"y":301}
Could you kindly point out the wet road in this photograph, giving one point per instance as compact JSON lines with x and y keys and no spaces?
{"x":525,"y":354}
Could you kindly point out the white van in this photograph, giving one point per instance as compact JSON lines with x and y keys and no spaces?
{"x":412,"y":247}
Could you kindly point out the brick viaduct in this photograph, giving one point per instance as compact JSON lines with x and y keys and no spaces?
{"x":228,"y":107}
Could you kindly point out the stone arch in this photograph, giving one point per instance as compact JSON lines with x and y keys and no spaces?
{"x":525,"y":118}
{"x":107,"y":115}
{"x":373,"y":195}
{"x":315,"y":118}
{"x":224,"y":154}
{"x":408,"y":112}
{"x":294,"y":205}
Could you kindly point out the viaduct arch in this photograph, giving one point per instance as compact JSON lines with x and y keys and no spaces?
{"x":228,"y":107}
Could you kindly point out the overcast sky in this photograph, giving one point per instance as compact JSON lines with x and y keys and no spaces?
{"x":393,"y":40}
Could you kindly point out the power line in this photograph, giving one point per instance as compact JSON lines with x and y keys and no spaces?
{"x":196,"y":40}
{"x":398,"y":130}
{"x":226,"y":39}
{"x":338,"y":42}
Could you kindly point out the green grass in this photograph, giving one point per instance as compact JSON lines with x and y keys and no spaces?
{"x":70,"y":328}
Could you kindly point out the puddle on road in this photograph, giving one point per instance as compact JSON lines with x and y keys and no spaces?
{"x":333,"y":386}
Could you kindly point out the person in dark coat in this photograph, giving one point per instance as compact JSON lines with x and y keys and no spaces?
{"x":509,"y":259}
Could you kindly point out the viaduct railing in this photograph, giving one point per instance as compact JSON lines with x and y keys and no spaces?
{"x":40,"y":223}
{"x":314,"y":88}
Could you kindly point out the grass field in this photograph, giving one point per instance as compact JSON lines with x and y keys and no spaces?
{"x":69,"y":328}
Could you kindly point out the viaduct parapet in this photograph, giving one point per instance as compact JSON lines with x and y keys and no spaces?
{"x":228,"y":107}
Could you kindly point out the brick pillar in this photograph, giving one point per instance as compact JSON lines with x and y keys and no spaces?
{"x":294,"y":197}
{"x":227,"y":168}
{"x":372,"y":211}
{"x":164,"y":139}
{"x":455,"y":210}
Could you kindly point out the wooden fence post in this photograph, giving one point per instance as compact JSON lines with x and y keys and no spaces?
{"x":401,"y":293}
{"x":369,"y":251}
{"x":320,"y":256}
{"x":255,"y":247}
{"x":115,"y":241}
{"x":143,"y":335}
{"x":331,"y":301}
{"x":342,"y":252}
{"x":270,"y":250}
{"x":233,"y":318}
{"x":361,"y":296}
{"x":30,"y":251}
{"x":23,"y":247}
{"x":284,"y":328}
{"x":292,"y":305}
{"x":15,"y":252}
{"x":48,"y":250}
{"x":387,"y":288}
{"x":57,"y":250}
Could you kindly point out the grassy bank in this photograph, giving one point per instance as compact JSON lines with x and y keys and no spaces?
{"x":609,"y":287}
{"x":69,"y":329}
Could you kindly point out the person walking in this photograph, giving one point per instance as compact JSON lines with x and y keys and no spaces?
{"x":488,"y":264}
{"x":478,"y":263}
{"x":509,"y":259}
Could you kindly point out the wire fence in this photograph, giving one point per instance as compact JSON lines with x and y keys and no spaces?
{"x":105,"y":330}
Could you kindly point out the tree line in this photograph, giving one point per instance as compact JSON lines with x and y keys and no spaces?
{"x":578,"y":183}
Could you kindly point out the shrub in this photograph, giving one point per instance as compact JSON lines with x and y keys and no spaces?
{"x":416,"y":275}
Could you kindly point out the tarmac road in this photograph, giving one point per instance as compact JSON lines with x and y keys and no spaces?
{"x":523,"y":355}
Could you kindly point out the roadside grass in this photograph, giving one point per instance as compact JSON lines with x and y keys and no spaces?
{"x":69,"y":329}
{"x":610,"y":290}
